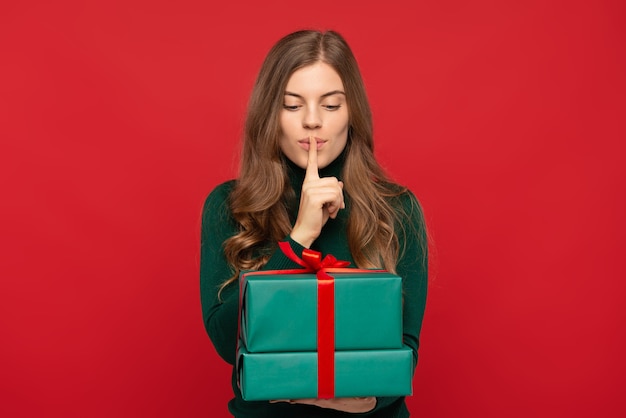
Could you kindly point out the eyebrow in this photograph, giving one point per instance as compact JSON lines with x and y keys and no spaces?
{"x":330,"y":93}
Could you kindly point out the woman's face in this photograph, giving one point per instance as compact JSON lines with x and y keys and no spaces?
{"x":314,"y":105}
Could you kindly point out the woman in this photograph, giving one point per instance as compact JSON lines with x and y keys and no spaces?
{"x":308,"y":176}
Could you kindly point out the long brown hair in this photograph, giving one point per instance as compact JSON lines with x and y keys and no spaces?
{"x":259,"y":200}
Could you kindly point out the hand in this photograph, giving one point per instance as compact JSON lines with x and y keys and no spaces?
{"x":353,"y":405}
{"x":321,"y":198}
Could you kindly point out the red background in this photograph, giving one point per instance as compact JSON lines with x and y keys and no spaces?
{"x":505,"y":118}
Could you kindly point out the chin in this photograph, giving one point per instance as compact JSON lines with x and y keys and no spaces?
{"x":322,"y":164}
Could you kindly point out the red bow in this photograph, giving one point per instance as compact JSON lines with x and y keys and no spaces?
{"x":311,"y":259}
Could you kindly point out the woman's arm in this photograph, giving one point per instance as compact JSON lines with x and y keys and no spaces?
{"x":220,"y":315}
{"x":412,"y":266}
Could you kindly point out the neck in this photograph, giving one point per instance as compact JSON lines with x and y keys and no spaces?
{"x":296,"y":174}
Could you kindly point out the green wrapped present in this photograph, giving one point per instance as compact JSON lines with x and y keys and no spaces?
{"x":279,"y":312}
{"x":275,"y":376}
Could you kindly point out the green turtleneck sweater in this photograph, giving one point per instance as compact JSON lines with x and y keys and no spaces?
{"x":220,"y":316}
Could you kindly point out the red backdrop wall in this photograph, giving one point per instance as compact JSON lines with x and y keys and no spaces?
{"x":505,"y":118}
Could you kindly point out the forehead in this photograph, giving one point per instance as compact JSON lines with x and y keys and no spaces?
{"x":315,"y":79}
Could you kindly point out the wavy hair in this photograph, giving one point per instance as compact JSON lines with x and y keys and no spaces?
{"x":259,"y":199}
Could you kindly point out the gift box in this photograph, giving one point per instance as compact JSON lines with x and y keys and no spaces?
{"x":279,"y":312}
{"x":294,"y":375}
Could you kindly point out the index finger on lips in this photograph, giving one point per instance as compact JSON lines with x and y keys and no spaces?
{"x":312,"y":171}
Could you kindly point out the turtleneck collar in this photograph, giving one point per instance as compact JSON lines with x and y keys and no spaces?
{"x":296,"y":174}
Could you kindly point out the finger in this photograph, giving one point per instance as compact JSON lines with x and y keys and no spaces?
{"x":343,"y":203}
{"x":312,"y":171}
{"x":325,"y":198}
{"x":332,"y":208}
{"x":307,"y":401}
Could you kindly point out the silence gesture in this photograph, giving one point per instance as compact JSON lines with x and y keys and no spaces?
{"x":321,"y":198}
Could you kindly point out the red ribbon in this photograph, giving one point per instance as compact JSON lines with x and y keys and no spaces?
{"x":312,"y":261}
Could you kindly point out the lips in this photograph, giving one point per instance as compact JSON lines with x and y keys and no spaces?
{"x":304,"y":143}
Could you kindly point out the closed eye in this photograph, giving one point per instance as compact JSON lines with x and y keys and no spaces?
{"x":332,"y":107}
{"x":291,"y":108}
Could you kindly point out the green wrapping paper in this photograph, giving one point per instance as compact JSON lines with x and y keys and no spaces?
{"x":273,"y":376}
{"x":279,"y":312}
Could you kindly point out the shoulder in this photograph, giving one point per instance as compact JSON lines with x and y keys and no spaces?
{"x":409,"y":214}
{"x":221,"y":191}
{"x":403,"y":200}
{"x":217,"y":202}
{"x":410,"y":227}
{"x":410,"y":203}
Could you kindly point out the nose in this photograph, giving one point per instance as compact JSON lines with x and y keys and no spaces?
{"x":312,"y":119}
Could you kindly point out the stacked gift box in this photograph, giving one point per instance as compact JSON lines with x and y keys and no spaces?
{"x":287,"y":318}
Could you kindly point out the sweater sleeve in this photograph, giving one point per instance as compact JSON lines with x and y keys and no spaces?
{"x":412,"y":266}
{"x":220,"y":312}
{"x":219,"y":315}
